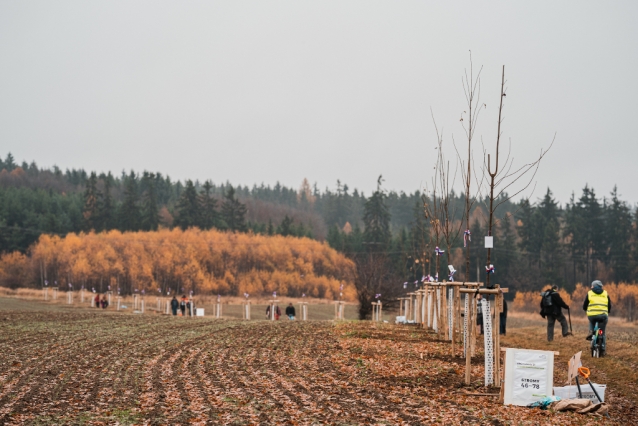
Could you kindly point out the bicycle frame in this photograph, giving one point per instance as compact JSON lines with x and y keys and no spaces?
{"x":597,"y":342}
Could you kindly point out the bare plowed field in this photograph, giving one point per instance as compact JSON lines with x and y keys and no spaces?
{"x":100,"y":368}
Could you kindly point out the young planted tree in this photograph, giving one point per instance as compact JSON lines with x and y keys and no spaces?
{"x":469,"y":119}
{"x":501,"y":180}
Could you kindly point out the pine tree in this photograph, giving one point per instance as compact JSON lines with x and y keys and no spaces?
{"x":271,"y":228}
{"x":188,"y":209}
{"x":129,"y":214}
{"x":150,"y":209}
{"x":90,"y":210}
{"x":208,"y":205}
{"x":233,"y":212}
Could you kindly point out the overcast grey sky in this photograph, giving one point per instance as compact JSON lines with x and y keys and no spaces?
{"x":271,"y":91}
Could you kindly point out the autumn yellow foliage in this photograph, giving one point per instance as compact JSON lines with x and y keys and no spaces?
{"x":206,"y":262}
{"x":623,"y":296}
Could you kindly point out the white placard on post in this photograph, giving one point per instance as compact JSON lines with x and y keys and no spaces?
{"x":529,"y":376}
{"x":489,"y":242}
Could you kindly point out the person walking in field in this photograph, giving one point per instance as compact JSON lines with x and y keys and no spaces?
{"x":503,"y":318}
{"x":182,"y":304}
{"x":598,"y":306}
{"x":290,"y":311}
{"x":104,"y":302}
{"x":97,"y":300}
{"x":174,"y":305}
{"x":552,"y":306}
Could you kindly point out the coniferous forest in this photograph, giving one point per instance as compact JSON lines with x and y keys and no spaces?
{"x":537,"y":241}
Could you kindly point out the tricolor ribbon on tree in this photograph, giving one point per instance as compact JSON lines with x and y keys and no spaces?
{"x":438,"y":251}
{"x":376,"y":296}
{"x":436,"y":277}
{"x":452,"y":271}
{"x":274,"y":294}
{"x":246,"y":295}
{"x":467,"y":236}
{"x":405,"y":284}
{"x":489,"y":269}
{"x":46,"y":282}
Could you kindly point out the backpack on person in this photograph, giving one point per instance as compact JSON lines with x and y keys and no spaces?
{"x":547,"y":304}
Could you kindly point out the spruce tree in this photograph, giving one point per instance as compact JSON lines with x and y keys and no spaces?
{"x":107,"y":205}
{"x":208,"y":206}
{"x":233,"y":212}
{"x":188,"y":209}
{"x":129,"y":214}
{"x":150,"y":209}
{"x":549,"y":247}
{"x":376,"y":220}
{"x":9,"y":162}
{"x":90,"y":211}
{"x":618,"y":222}
{"x":286,"y":228}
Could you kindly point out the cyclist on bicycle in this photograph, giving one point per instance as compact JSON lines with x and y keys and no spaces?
{"x":598,"y":306}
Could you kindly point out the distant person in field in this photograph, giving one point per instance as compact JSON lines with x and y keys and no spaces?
{"x":503,"y":317}
{"x":552,"y":306}
{"x":104,"y":302}
{"x":277,"y":312}
{"x":97,"y":300}
{"x":174,"y":305}
{"x":182,"y":305}
{"x":598,"y":306}
{"x":188,"y":307}
{"x":290,"y":311}
{"x":268,"y":312}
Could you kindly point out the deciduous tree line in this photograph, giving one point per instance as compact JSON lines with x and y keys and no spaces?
{"x":176,"y":261}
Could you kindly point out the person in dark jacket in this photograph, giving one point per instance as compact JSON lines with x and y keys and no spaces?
{"x":182,"y":304}
{"x":552,"y":308}
{"x":290,"y":311}
{"x":174,"y":305}
{"x":503,"y":317}
{"x":597,"y":304}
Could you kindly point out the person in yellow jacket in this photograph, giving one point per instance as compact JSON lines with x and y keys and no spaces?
{"x":598,"y":307}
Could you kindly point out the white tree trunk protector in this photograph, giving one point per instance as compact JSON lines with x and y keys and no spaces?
{"x":437,"y":304}
{"x":423,"y":304}
{"x":450,"y":315}
{"x":488,"y":344}
{"x":429,"y":309}
{"x":465,"y":320}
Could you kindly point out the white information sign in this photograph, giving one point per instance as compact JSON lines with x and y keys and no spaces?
{"x":529,"y":376}
{"x":489,"y":242}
